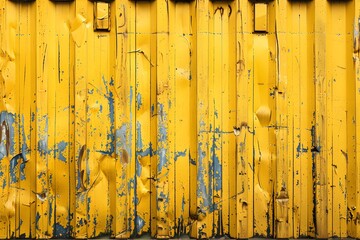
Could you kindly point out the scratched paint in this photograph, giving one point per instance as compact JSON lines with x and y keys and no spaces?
{"x":208,"y":119}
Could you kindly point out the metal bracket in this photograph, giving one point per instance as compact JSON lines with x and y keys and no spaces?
{"x":101,"y":16}
{"x":261,"y":17}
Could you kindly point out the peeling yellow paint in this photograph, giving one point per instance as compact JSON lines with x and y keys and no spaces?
{"x":200,"y":118}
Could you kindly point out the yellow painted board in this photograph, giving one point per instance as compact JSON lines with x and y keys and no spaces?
{"x":153,"y":123}
{"x":111,"y":168}
{"x":294,"y":91}
{"x":100,"y":129}
{"x":142,"y":97}
{"x":338,"y":80}
{"x":204,"y":179}
{"x":43,"y":191}
{"x":124,"y":102}
{"x":10,"y":122}
{"x":4,"y":164}
{"x":165,"y":129}
{"x":356,"y":231}
{"x":26,"y":69}
{"x":193,"y":151}
{"x":183,"y":80}
{"x":78,"y":29}
{"x":244,"y":128}
{"x":320,"y":143}
{"x":61,"y":108}
{"x":228,"y":106}
{"x":264,"y":152}
{"x":283,"y":127}
{"x":353,"y":126}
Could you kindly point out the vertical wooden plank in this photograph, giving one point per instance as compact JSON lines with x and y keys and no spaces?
{"x":283,"y":128}
{"x":100,"y":129}
{"x":11,"y":119}
{"x":357,"y":117}
{"x":72,"y":161}
{"x":353,"y":96}
{"x":320,"y":144}
{"x":204,"y":177}
{"x":27,"y":179}
{"x":165,"y":161}
{"x":295,"y":15}
{"x":124,"y":112}
{"x":154,"y":122}
{"x":193,"y":152}
{"x":42,"y":124}
{"x":339,"y":124}
{"x":143,"y":101}
{"x":78,"y":28}
{"x":226,"y":147}
{"x":3,"y":157}
{"x":264,"y":128}
{"x":303,"y":100}
{"x":216,"y":115}
{"x":244,"y":128}
{"x":51,"y":64}
{"x":61,"y":227}
{"x":229,"y":95}
{"x":183,"y":80}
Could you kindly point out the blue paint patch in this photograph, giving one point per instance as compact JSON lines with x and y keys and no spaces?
{"x":300,"y":149}
{"x":61,"y":147}
{"x":24,"y":147}
{"x":87,"y":167}
{"x":43,"y":147}
{"x":191,"y":160}
{"x":13,"y":172}
{"x":152,"y":109}
{"x":216,"y":166}
{"x":138,"y":167}
{"x":136,"y":200}
{"x":88,"y":204}
{"x":37,"y":218}
{"x":40,"y":175}
{"x":180,"y":154}
{"x":202,"y":192}
{"x":50,"y":210}
{"x":139,"y":222}
{"x":131,"y":94}
{"x":1,"y":173}
{"x":138,"y":101}
{"x":139,"y":143}
{"x":162,"y":199}
{"x":110,"y":135}
{"x":147,"y":152}
{"x":161,"y":111}
{"x":162,"y":138}
{"x":162,"y":133}
{"x":60,"y":231}
{"x":9,"y":120}
{"x":162,"y":159}
{"x":131,"y":184}
{"x":120,"y":135}
{"x":183,"y":204}
{"x":4,"y":183}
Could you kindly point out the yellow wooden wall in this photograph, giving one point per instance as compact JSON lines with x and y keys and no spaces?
{"x":200,"y":118}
